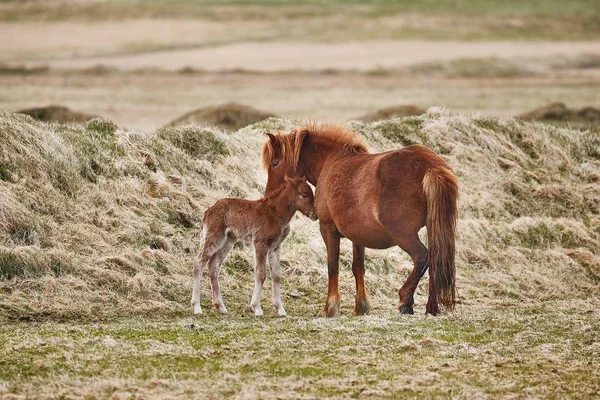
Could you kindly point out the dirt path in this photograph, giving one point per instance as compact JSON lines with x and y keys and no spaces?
{"x":363,"y":56}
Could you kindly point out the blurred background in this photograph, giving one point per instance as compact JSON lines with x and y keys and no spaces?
{"x":146,"y":64}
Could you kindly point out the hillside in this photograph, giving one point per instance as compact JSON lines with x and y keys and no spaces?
{"x":99,"y":227}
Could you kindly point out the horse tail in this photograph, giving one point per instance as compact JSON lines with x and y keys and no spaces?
{"x":440,"y":186}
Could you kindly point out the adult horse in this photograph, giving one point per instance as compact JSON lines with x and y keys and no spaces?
{"x":376,"y":201}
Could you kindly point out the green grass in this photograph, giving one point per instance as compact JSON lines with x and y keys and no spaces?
{"x":291,"y":8}
{"x":542,"y":351}
{"x":479,"y":19}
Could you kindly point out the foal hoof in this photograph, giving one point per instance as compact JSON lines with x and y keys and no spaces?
{"x":258,"y":312}
{"x":406,"y":310}
{"x":280,"y":312}
{"x":197,"y":309}
{"x":221,"y":308}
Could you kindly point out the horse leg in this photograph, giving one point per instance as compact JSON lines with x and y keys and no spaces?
{"x":418,"y":252}
{"x":209,"y":247}
{"x":361,"y":305}
{"x":199,"y":264}
{"x":214,"y":268}
{"x":332,"y":242}
{"x":260,"y":253}
{"x":276,"y":278}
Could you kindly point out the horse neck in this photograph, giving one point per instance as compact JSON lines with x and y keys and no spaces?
{"x":313,"y":156}
{"x":282,"y":204}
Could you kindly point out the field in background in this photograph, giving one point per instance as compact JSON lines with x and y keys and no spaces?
{"x":100,"y":221}
{"x":145,"y":64}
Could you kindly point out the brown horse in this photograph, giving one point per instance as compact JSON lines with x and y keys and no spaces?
{"x":265,"y":222}
{"x":376,"y":201}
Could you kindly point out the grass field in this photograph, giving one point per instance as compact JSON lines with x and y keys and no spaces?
{"x":100,"y":222}
{"x":99,"y":227}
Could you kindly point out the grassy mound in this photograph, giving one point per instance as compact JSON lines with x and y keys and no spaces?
{"x":102,"y":224}
{"x":92,"y":215}
{"x":392,"y":112}
{"x":230,"y":116}
{"x":53,"y":113}
{"x":559,"y":113}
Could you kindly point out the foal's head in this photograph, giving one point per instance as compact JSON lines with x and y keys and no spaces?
{"x":302,"y":198}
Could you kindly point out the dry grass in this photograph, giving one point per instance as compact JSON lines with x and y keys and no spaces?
{"x":392,"y":112}
{"x":229,"y":116}
{"x":56,"y":113}
{"x":99,"y":227}
{"x":559,"y":113}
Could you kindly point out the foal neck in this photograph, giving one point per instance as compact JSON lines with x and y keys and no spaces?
{"x":282,"y":203}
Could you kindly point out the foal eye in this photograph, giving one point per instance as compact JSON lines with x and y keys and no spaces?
{"x":275,"y":163}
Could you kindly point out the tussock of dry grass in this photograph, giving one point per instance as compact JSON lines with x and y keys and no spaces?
{"x":98,"y":223}
{"x":117,"y":213}
{"x":392,"y":112}
{"x":559,"y":113}
{"x":229,"y":116}
{"x":54,"y":113}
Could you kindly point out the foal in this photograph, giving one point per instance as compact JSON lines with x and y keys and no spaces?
{"x":265,"y":222}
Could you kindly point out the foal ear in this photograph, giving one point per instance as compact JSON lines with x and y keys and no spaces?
{"x":293,"y":181}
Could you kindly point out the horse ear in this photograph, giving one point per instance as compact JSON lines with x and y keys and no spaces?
{"x":272,"y":137}
{"x":299,"y":136}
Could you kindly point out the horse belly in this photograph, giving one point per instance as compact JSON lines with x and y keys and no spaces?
{"x":366,"y":232}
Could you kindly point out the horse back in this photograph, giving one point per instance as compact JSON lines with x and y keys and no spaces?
{"x":363,"y":194}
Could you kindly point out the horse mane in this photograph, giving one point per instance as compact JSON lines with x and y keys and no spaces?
{"x":275,"y":193}
{"x":291,"y":143}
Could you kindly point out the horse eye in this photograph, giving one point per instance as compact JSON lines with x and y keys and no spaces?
{"x":275,"y":163}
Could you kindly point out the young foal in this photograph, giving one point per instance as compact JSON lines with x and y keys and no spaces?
{"x":266,"y":223}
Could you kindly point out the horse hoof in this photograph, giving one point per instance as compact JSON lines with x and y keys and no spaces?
{"x":406,"y":310}
{"x":197,"y":309}
{"x":335,"y":312}
{"x":362,"y":308}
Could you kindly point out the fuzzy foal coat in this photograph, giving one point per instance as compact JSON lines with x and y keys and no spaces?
{"x":263,"y":222}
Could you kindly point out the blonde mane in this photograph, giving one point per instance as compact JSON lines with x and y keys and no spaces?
{"x":291,"y":143}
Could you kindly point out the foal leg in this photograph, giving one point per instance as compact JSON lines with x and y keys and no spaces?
{"x":199,"y":264}
{"x":276,"y":278}
{"x":332,"y":242}
{"x":260,"y":253}
{"x":208,"y":249}
{"x":214,"y":268}
{"x":418,"y":252}
{"x":361,"y":305}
